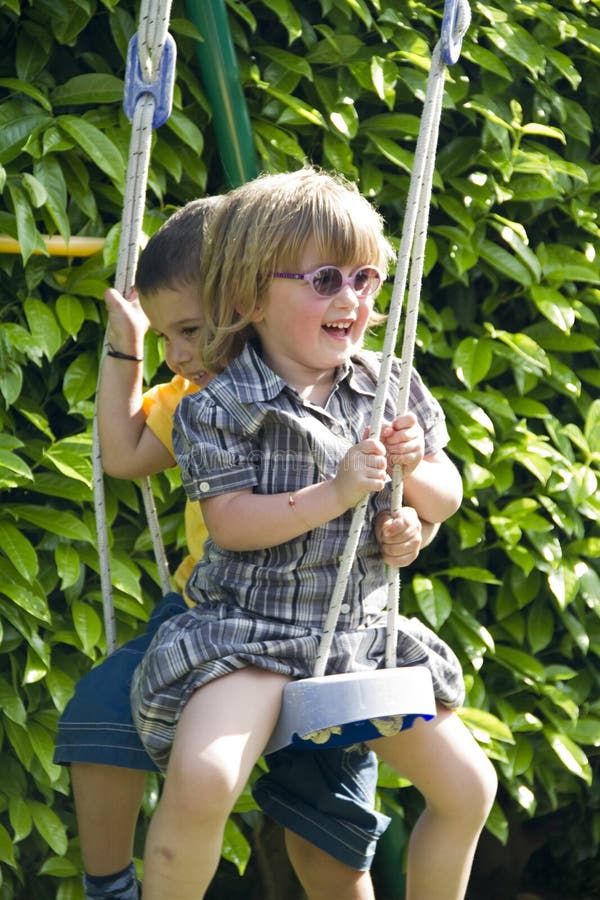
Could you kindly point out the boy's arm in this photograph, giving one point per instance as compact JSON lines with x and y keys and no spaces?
{"x":129,"y":449}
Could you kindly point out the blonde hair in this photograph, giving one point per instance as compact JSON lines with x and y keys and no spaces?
{"x":263,"y":227}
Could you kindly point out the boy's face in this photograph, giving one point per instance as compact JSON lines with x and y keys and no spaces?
{"x":176,"y":317}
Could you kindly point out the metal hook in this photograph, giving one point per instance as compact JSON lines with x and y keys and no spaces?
{"x":457,"y":15}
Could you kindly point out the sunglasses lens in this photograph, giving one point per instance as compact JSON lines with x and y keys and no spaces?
{"x":367,"y":280}
{"x":327,"y":281}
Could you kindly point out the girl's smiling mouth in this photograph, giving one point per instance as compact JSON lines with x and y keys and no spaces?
{"x":338,"y":329}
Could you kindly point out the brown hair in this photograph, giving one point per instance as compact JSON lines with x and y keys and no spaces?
{"x":171,"y":258}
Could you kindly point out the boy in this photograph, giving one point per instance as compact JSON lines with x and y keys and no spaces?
{"x":331,"y":843}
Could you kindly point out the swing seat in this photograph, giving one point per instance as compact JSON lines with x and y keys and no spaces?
{"x":340,"y":710}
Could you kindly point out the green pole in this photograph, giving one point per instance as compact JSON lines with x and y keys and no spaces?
{"x":220,"y":75}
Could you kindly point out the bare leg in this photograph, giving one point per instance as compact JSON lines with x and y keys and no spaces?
{"x":322,"y":876}
{"x":458,"y":782}
{"x":222,"y":732}
{"x":107,"y":803}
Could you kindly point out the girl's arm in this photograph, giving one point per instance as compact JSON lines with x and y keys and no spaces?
{"x":431,"y":484}
{"x":434,"y":488}
{"x":244,"y":521}
{"x":128,"y":447}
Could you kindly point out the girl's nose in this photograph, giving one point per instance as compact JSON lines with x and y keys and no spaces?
{"x":346,"y":298}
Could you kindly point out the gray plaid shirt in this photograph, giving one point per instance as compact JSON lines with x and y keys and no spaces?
{"x":249,"y":429}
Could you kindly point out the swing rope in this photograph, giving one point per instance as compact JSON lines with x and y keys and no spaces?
{"x":147,"y":103}
{"x":411,"y":253}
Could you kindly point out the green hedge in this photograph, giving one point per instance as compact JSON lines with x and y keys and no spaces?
{"x":508,"y":341}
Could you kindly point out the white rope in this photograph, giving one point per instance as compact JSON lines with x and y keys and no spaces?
{"x":415,"y":223}
{"x":151,"y":39}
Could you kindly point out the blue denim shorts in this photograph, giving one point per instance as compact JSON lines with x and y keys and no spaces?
{"x":96,"y":725}
{"x":325,"y":796}
{"x":328,"y":798}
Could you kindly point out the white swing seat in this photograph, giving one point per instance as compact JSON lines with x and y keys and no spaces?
{"x":341,"y":710}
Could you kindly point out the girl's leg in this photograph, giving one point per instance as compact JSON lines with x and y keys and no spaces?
{"x":107,"y":803}
{"x":322,"y":876}
{"x":221,"y":733}
{"x":459,"y":783}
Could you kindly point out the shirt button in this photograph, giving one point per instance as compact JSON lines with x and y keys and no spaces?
{"x":337,"y":429}
{"x":345,"y":608}
{"x":204,"y":486}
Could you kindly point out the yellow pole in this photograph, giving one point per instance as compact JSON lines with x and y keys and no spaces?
{"x":57,"y":246}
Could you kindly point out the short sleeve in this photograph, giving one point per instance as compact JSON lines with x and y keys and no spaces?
{"x":215,"y":453}
{"x":429,"y":413}
{"x":159,"y":404}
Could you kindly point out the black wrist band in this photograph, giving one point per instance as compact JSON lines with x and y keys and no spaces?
{"x":116,"y":354}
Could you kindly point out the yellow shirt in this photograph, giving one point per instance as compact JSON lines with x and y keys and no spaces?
{"x":159,"y":406}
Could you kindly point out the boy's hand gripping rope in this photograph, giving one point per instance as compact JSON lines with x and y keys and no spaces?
{"x":148,"y":98}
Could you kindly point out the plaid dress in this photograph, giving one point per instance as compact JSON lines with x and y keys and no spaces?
{"x":267,"y":608}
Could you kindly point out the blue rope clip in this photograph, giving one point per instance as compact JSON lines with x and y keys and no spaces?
{"x":161,"y":89}
{"x":451,"y":46}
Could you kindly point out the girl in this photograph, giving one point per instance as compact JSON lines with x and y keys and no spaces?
{"x":277,"y":441}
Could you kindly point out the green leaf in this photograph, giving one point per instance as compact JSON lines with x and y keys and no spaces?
{"x":20,"y":818}
{"x":29,"y":238}
{"x":17,"y":131}
{"x":519,"y":662}
{"x":472,"y":360}
{"x":87,"y":625}
{"x":72,"y":457}
{"x":401,"y":158}
{"x":529,"y":353}
{"x":60,"y":687}
{"x":10,"y":462}
{"x":61,"y":522}
{"x":497,"y":823}
{"x":26,"y":594}
{"x":505,"y":262}
{"x":540,"y":626}
{"x":288,"y":16}
{"x":70,"y":313}
{"x":59,"y":867}
{"x":19,"y":550}
{"x":186,"y":130}
{"x":11,"y":704}
{"x":433,"y":599}
{"x":570,"y":754}
{"x":18,"y":86}
{"x":97,"y":146}
{"x":43,"y":746}
{"x":6,"y":848}
{"x":49,"y":826}
{"x":92,"y":88}
{"x":288,"y":61}
{"x":49,"y":172}
{"x":43,"y":326}
{"x":80,"y":379}
{"x":236,"y":848}
{"x":511,"y":39}
{"x":485,"y":726}
{"x":68,"y":564}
